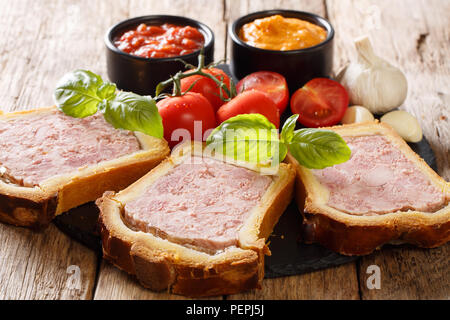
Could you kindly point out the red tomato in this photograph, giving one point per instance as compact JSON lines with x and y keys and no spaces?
{"x":251,"y":101}
{"x":207,"y":87}
{"x":320,"y":103}
{"x":181,"y":112}
{"x":271,"y":83}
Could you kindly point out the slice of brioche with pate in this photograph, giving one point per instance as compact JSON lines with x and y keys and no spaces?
{"x":50,"y":162}
{"x":195,"y":225}
{"x":385,"y":193}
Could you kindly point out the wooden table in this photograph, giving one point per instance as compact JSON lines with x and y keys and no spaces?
{"x":42,"y":40}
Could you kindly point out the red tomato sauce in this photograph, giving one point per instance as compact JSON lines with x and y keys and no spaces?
{"x":161,"y":41}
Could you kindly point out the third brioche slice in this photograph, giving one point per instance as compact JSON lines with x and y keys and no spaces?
{"x":384,"y":193}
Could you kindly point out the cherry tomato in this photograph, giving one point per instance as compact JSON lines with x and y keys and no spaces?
{"x":207,"y":87}
{"x":320,"y":103}
{"x":181,"y":112}
{"x":251,"y":101}
{"x":271,"y":83}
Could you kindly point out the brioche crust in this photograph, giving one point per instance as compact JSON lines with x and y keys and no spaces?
{"x":36,"y":206}
{"x":360,"y":235}
{"x":159,"y":264}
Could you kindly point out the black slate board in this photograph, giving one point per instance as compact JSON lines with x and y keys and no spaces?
{"x":289,"y":255}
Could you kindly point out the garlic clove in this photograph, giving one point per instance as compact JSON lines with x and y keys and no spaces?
{"x":372,"y":81}
{"x":356,"y":114}
{"x":405,"y":124}
{"x":341,"y":73}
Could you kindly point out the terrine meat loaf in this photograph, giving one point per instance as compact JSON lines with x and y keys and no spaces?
{"x":50,"y":162}
{"x":384,"y":193}
{"x":195,"y":225}
{"x":378,"y":179}
{"x":44,"y":145}
{"x":201,"y":202}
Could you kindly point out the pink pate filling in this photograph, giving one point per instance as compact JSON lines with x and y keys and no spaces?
{"x":378,"y":179}
{"x":35,"y":148}
{"x":202,"y":201}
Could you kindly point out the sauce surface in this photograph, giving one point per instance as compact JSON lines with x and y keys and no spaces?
{"x":161,"y":41}
{"x":279,"y":33}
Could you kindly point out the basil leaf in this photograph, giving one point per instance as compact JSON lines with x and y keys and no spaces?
{"x":318,"y":148}
{"x":77,"y":93}
{"x":107,"y":91}
{"x":248,"y":137}
{"x":287,"y":133}
{"x":133,"y":112}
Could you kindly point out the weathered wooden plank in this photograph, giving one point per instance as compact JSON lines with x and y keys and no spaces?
{"x":414,"y":35}
{"x":335,"y":283}
{"x":238,"y":8}
{"x":407,"y":273}
{"x":44,"y":265}
{"x":42,"y":40}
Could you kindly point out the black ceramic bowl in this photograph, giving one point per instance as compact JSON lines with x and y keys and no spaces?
{"x":142,"y":75}
{"x":297,"y":66}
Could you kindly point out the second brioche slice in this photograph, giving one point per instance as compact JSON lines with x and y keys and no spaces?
{"x":195,"y":225}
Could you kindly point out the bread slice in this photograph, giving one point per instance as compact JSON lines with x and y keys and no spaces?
{"x":358,"y":233}
{"x":162,"y":264}
{"x":35,"y":206}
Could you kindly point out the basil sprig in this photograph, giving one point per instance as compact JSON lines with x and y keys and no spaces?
{"x":251,"y":137}
{"x":248,"y":137}
{"x":82,"y":93}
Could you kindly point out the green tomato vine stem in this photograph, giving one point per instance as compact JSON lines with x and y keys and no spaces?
{"x":176,"y":80}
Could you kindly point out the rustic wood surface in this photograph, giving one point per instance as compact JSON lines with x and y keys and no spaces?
{"x":41,"y":40}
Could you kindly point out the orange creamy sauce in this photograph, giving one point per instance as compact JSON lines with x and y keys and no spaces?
{"x":279,"y":33}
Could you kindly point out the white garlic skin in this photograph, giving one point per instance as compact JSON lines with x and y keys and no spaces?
{"x":405,"y":124}
{"x":356,"y":114}
{"x":373,"y":82}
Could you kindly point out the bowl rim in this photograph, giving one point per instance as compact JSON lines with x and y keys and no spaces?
{"x":111,"y":33}
{"x":265,"y":13}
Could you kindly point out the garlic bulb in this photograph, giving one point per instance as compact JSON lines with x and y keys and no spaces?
{"x":357,"y":114}
{"x":405,"y":124}
{"x":373,"y":82}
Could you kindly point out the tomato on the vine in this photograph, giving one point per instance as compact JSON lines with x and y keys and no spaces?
{"x":320,"y":103}
{"x":180,"y":112}
{"x":207,"y":87}
{"x":271,"y":83}
{"x":251,"y":101}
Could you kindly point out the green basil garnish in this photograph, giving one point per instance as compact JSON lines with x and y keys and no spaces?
{"x":133,"y":112}
{"x":82,"y":93}
{"x":78,"y":93}
{"x":251,"y":137}
{"x":248,"y":137}
{"x":318,"y":148}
